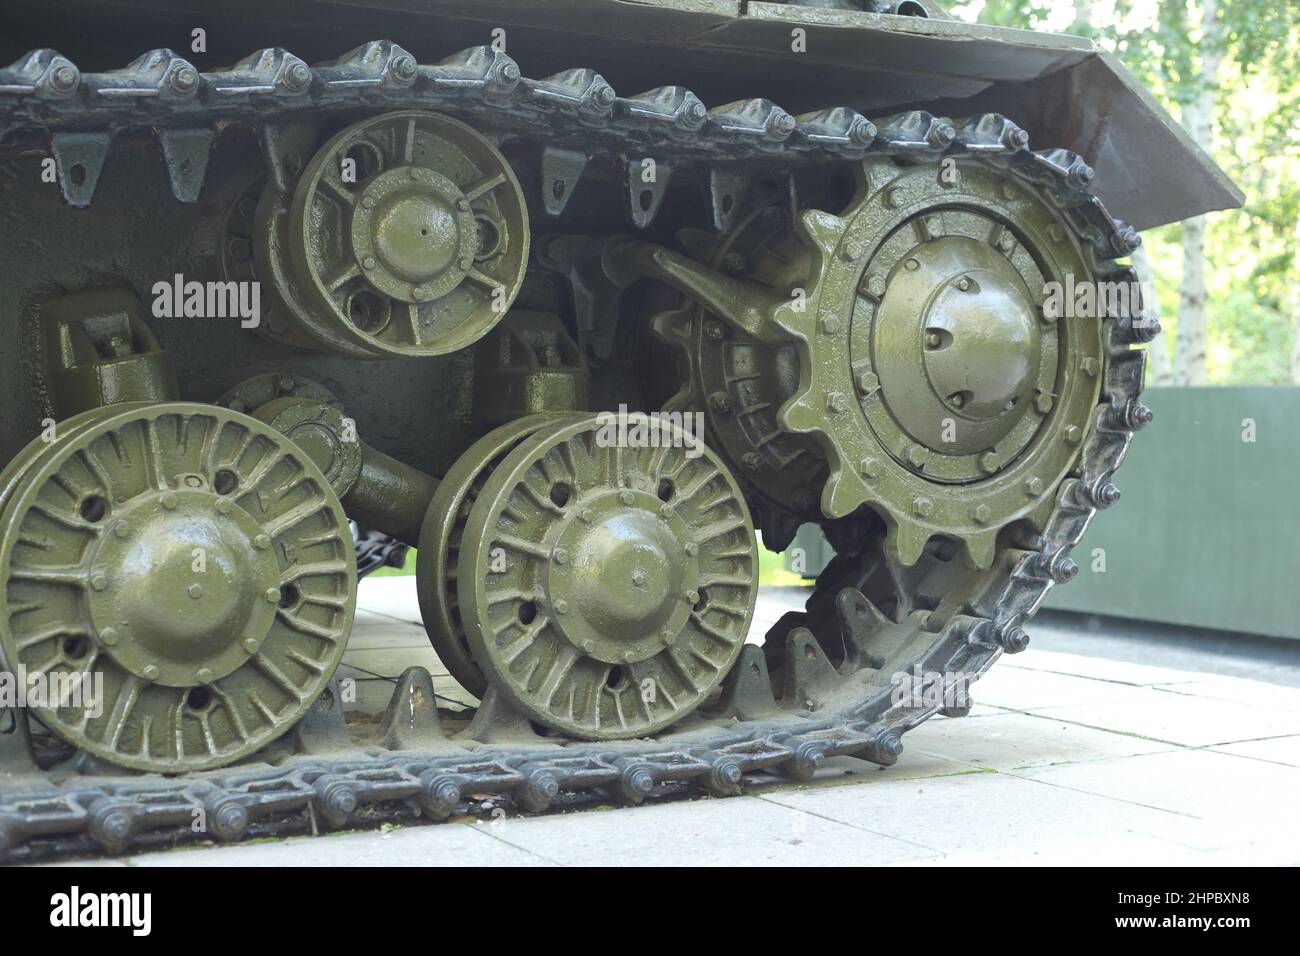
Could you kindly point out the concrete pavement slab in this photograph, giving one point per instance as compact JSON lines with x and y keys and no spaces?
{"x":1285,"y":750}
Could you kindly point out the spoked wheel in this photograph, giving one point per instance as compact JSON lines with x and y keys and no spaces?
{"x":440,"y":540}
{"x":187,"y":571}
{"x":606,"y":590}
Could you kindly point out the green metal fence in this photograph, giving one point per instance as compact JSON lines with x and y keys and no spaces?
{"x":1208,"y":532}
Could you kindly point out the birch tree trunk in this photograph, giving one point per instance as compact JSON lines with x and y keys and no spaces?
{"x":1160,"y":370}
{"x":1295,"y":311}
{"x":1198,"y":118}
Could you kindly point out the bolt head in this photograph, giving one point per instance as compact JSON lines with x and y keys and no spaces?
{"x":223,"y":506}
{"x":691,"y":548}
{"x":1043,"y":402}
{"x":836,"y":403}
{"x":204,"y":675}
{"x":1073,"y":435}
{"x":122,"y":529}
{"x":626,"y":497}
{"x":262,"y":542}
{"x":108,"y":636}
{"x":868,"y":382}
{"x":272,"y":595}
{"x":693,"y":596}
{"x":250,"y":645}
{"x":981,"y":513}
{"x":1034,"y":486}
{"x":917,"y":456}
{"x":876,"y":286}
{"x":870,"y":468}
{"x":922,"y":506}
{"x":988,"y":462}
{"x":195,"y":591}
{"x":560,"y":556}
{"x":99,"y":580}
{"x":561,"y":606}
{"x":1089,"y":366}
{"x":150,"y":672}
{"x":169,"y":501}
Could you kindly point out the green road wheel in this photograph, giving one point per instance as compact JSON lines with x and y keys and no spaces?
{"x":606,"y":590}
{"x":181,"y":579}
{"x":439,"y":547}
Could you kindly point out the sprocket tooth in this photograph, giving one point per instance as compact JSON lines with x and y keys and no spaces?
{"x":905,"y":542}
{"x":79,"y":159}
{"x":799,"y":415}
{"x":808,"y":675}
{"x":823,"y":229}
{"x":747,"y":690}
{"x":980,"y":548}
{"x":186,"y":154}
{"x":843,"y":494}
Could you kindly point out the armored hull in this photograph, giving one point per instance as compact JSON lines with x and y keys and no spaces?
{"x":575,"y":299}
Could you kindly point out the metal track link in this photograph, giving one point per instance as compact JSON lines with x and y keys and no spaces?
{"x":82,"y":112}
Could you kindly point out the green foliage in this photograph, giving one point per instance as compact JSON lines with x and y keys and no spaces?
{"x":1252,"y":253}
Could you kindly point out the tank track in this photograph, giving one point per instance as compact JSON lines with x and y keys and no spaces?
{"x":426,"y":773}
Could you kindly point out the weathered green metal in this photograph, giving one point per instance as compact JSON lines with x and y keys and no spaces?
{"x":99,"y":351}
{"x":180,"y":151}
{"x":528,"y":364}
{"x":198,"y":562}
{"x":606,"y":588}
{"x":438,"y":552}
{"x":406,"y":235}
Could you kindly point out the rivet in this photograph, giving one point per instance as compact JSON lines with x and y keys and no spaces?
{"x":1034,"y":486}
{"x":561,"y":606}
{"x":99,"y":580}
{"x":195,"y":591}
{"x":933,"y":339}
{"x":108,"y":636}
{"x":964,"y":284}
{"x":830,"y":325}
{"x":911,"y":265}
{"x":626,"y":497}
{"x":560,"y":556}
{"x":691,"y":548}
{"x":876,"y":286}
{"x":251,"y":645}
{"x":169,"y":501}
{"x":368,"y":262}
{"x":193,"y":481}
{"x":272,"y":595}
{"x":204,"y":675}
{"x":368,"y":202}
{"x":465,"y":263}
{"x":149,"y":672}
{"x":981,"y":513}
{"x":262,"y":542}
